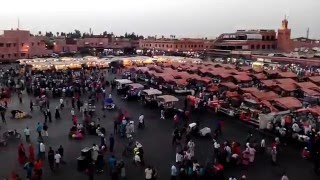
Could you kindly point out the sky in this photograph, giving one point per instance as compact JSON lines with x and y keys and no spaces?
{"x":183,"y":18}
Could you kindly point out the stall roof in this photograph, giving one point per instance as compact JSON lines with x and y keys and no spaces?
{"x":310,"y":92}
{"x":242,"y":78}
{"x":212,"y":88}
{"x":265,"y":95}
{"x":315,"y":79}
{"x":250,"y":89}
{"x":168,"y":98}
{"x":269,"y":105}
{"x":287,"y":74}
{"x":181,"y":82}
{"x":285,"y":81}
{"x":289,"y":102}
{"x":271,"y":72}
{"x":245,"y":68}
{"x":269,"y":82}
{"x":151,"y":92}
{"x":232,"y":94}
{"x":307,"y":85}
{"x":287,"y":87}
{"x":230,"y":85}
{"x":136,"y":85}
{"x":315,"y":110}
{"x":123,"y":81}
{"x":259,"y":76}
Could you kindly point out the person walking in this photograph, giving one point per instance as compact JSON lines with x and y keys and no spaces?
{"x":42,"y":151}
{"x":51,"y":158}
{"x":111,"y":142}
{"x":61,"y":103}
{"x":284,"y":177}
{"x":100,"y":163}
{"x":31,"y":153}
{"x":61,"y":152}
{"x":57,"y":113}
{"x":28,"y":167}
{"x":274,"y":155}
{"x":31,"y":105}
{"x":148,"y":173}
{"x":57,"y":158}
{"x":3,"y":116}
{"x":49,"y":115}
{"x":26,"y":132}
{"x":141,"y":122}
{"x":21,"y":154}
{"x":174,"y":172}
{"x":39,"y":130}
{"x":38,"y":168}
{"x":45,"y":129}
{"x":162,"y":114}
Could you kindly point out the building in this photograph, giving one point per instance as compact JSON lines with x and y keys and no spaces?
{"x":176,"y":45}
{"x":16,"y":44}
{"x":307,"y":43}
{"x":247,"y":42}
{"x":284,"y":42}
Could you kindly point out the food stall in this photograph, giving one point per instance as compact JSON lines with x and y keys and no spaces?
{"x":149,"y":96}
{"x":121,"y":85}
{"x":134,"y":90}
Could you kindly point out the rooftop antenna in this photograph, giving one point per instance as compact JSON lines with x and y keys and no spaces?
{"x":308,"y":31}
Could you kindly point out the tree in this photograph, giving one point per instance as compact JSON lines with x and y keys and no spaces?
{"x":57,"y":33}
{"x":63,"y":34}
{"x":39,"y":33}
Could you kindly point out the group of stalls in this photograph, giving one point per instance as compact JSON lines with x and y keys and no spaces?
{"x":44,"y":64}
{"x":149,"y":96}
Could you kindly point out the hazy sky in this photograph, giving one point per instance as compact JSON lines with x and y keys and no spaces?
{"x":183,"y":18}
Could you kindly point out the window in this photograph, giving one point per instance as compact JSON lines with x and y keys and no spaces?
{"x":15,"y":54}
{"x":273,"y":46}
{"x":263,"y":38}
{"x":195,"y":46}
{"x":272,"y":38}
{"x":9,"y":55}
{"x":14,"y":44}
{"x":252,"y":46}
{"x":263,"y":46}
{"x":181,"y":46}
{"x":156,"y":45}
{"x":268,"y":38}
{"x":38,"y":43}
{"x":162,"y":45}
{"x":22,"y":44}
{"x":176,"y":46}
{"x":2,"y":56}
{"x":258,"y":46}
{"x":8,"y":45}
{"x":207,"y":47}
{"x":186,"y":46}
{"x":23,"y":54}
{"x":1,"y":44}
{"x":32,"y":44}
{"x":171,"y":45}
{"x":268,"y":47}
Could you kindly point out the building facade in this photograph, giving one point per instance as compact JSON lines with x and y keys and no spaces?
{"x":176,"y":45}
{"x":16,"y":44}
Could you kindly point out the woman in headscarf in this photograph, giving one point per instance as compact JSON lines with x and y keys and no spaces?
{"x":31,"y":153}
{"x":21,"y":154}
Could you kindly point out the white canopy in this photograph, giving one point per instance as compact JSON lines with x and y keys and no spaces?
{"x":151,"y":92}
{"x":168,"y":98}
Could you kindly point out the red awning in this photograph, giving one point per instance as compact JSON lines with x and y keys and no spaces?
{"x":289,"y":102}
{"x":288,"y":74}
{"x":242,"y":78}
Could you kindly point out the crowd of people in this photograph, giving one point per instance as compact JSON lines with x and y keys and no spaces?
{"x":75,"y":89}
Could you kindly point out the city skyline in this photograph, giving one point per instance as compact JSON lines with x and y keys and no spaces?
{"x":183,"y":18}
